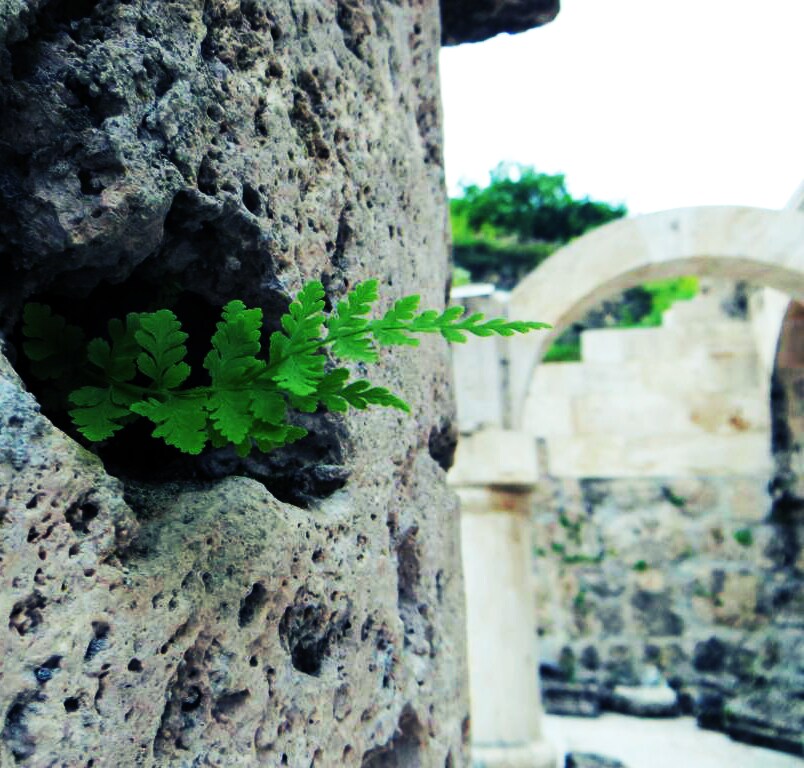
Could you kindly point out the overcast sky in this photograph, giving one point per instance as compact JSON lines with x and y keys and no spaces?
{"x":654,"y":103}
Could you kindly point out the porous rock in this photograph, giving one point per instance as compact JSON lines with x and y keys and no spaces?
{"x":226,"y":149}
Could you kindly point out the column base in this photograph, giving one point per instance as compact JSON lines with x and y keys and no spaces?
{"x":537,"y":754}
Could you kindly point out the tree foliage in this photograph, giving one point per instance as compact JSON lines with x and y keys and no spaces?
{"x":502,"y":231}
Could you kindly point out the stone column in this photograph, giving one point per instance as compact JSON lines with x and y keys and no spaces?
{"x":494,"y":474}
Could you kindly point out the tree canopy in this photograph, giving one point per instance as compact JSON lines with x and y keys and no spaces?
{"x":504,"y":230}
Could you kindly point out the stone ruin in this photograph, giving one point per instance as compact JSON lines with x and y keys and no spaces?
{"x":646,"y":502}
{"x":302,"y":609}
{"x":668,"y":559}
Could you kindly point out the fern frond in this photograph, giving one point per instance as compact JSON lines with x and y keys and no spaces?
{"x":96,"y":414}
{"x":398,"y":324}
{"x":180,"y":421}
{"x":269,"y":437}
{"x":295,"y":362}
{"x":348,"y":327}
{"x":360,"y":394}
{"x":230,"y":412}
{"x":52,"y":345}
{"x":118,"y":359}
{"x":235,"y":345}
{"x":162,"y":341}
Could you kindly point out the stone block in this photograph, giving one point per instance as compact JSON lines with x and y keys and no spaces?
{"x":768,"y":719}
{"x":704,"y":454}
{"x":548,"y":415}
{"x":574,"y":699}
{"x":495,"y":456}
{"x":478,"y":383}
{"x":747,"y":499}
{"x":577,"y":457}
{"x":736,"y":604}
{"x":701,"y":373}
{"x":591,"y":760}
{"x":631,"y":414}
{"x":644,"y":701}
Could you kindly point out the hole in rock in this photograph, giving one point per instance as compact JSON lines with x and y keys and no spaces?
{"x":99,"y":641}
{"x":404,"y":747}
{"x":27,"y":614}
{"x":309,"y":630}
{"x":229,"y":702}
{"x":192,"y":700}
{"x":251,"y":604}
{"x":16,"y":734}
{"x":80,"y":514}
{"x":252,"y":199}
{"x":302,"y":473}
{"x":45,"y":671}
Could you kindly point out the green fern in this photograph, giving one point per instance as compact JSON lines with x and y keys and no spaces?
{"x":141,"y":370}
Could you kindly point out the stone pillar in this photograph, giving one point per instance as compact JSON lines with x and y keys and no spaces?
{"x":504,"y":693}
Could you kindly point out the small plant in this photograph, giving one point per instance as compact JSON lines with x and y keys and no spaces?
{"x":673,"y":498}
{"x":141,"y":371}
{"x":640,"y":566}
{"x":744,"y":537}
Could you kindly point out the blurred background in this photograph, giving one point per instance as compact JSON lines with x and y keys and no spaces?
{"x":633,"y":487}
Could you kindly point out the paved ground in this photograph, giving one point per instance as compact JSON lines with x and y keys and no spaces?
{"x":642,"y":743}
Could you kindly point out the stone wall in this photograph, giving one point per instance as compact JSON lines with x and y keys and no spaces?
{"x":687,"y":398}
{"x":303,"y":609}
{"x":691,"y":576}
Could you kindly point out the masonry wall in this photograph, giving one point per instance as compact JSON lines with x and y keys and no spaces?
{"x":665,"y":544}
{"x":684,"y":399}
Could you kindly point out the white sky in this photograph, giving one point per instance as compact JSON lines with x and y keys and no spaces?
{"x":655,"y":103}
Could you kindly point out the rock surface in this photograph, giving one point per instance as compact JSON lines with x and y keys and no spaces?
{"x":476,"y":20}
{"x":591,"y":760}
{"x":578,"y":699}
{"x":766,"y":719}
{"x":226,"y":149}
{"x":644,"y":701}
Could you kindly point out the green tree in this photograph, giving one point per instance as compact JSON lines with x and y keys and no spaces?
{"x":504,"y":230}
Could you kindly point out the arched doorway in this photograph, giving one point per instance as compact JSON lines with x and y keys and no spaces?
{"x":753,"y":244}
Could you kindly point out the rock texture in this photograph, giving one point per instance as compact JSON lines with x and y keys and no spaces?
{"x":689,"y":597}
{"x":196,"y":152}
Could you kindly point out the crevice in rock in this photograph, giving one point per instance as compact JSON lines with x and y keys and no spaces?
{"x":301,"y":474}
{"x":404,"y":748}
{"x":252,"y":604}
{"x":442,"y":443}
{"x":16,"y":733}
{"x":408,"y":565}
{"x":310,"y":628}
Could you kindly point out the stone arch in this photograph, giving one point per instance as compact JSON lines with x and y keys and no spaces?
{"x":754,"y":244}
